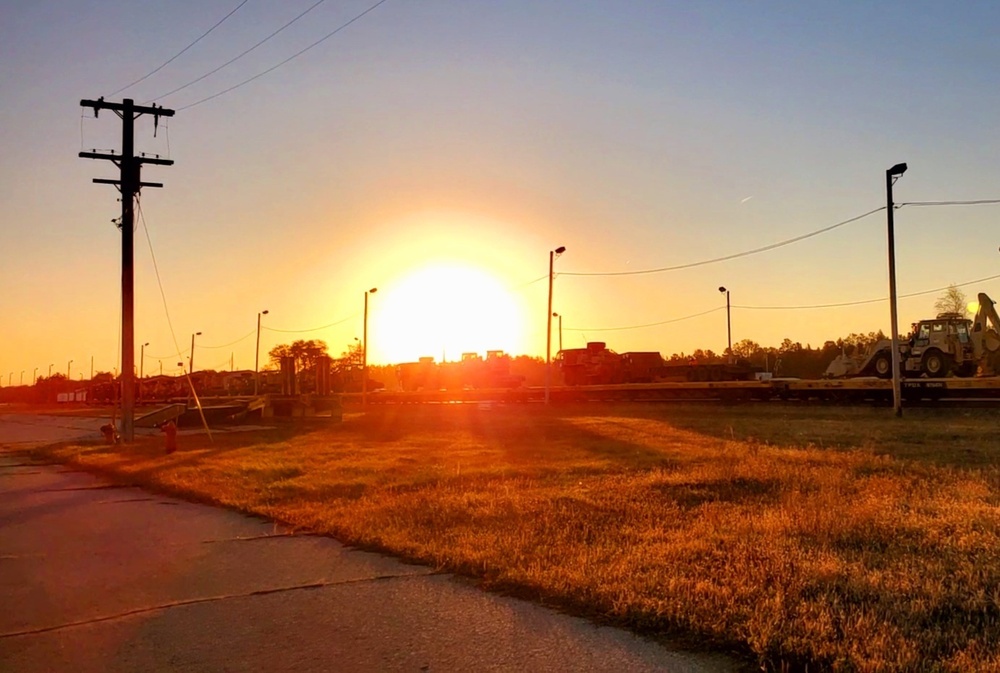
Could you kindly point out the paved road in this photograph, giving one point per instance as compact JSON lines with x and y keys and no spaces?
{"x":96,"y":577}
{"x":25,"y":430}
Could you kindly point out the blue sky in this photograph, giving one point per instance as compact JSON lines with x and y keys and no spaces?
{"x":638,"y":135}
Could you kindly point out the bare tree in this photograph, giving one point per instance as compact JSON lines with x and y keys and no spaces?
{"x":952,"y":301}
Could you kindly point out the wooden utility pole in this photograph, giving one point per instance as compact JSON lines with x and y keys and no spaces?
{"x":129,"y":186}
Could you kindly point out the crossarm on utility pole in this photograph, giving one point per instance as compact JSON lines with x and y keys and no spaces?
{"x":101,"y":104}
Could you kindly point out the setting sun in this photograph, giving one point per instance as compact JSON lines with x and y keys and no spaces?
{"x":443,"y":310}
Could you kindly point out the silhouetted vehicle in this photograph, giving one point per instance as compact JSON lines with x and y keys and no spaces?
{"x":598,"y":365}
{"x":471,"y":372}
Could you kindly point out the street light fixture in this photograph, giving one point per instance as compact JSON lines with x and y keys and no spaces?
{"x":729,"y":324}
{"x":256,"y":357}
{"x":364,"y":352}
{"x":191,"y":370}
{"x":21,"y":382}
{"x":50,"y":370}
{"x":548,"y":323}
{"x":34,"y":376}
{"x":557,"y":315}
{"x":69,"y":365}
{"x":897,"y":395}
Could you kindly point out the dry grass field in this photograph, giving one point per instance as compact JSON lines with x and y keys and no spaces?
{"x":833,"y":538}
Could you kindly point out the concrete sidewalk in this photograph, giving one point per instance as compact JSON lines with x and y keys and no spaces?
{"x":96,"y":577}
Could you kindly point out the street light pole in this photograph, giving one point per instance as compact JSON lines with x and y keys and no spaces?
{"x":364,"y":352}
{"x":729,"y":324}
{"x":34,"y":376}
{"x":548,"y":322}
{"x":21,"y":382}
{"x":191,"y":370}
{"x":897,"y":393}
{"x":559,"y":315}
{"x":256,"y":357}
{"x":69,"y":365}
{"x":142,"y":361}
{"x":50,"y":371}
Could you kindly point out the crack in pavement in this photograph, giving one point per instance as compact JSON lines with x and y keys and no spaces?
{"x":178,"y":545}
{"x":115,"y":502}
{"x":99,"y":487}
{"x":213,"y":599}
{"x":266,"y":536}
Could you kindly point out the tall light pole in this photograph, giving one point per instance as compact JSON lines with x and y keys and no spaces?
{"x":364,"y":352}
{"x":191,"y":370}
{"x":69,"y":366}
{"x":548,"y":323}
{"x":21,"y":382}
{"x":256,"y":357}
{"x":142,"y":362}
{"x":729,"y":324}
{"x":34,"y":376}
{"x":557,"y":315}
{"x":897,"y":394}
{"x":50,"y":370}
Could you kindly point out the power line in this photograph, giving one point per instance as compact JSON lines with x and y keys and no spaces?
{"x":788,"y":308}
{"x":978,"y":202}
{"x":172,"y":58}
{"x":290,"y":58}
{"x":170,"y":324}
{"x":241,"y":55}
{"x":525,"y":284}
{"x":311,"y":329}
{"x":159,"y":281}
{"x":180,"y":354}
{"x":866,"y":301}
{"x":652,"y":324}
{"x":242,"y":338}
{"x":737,"y":255}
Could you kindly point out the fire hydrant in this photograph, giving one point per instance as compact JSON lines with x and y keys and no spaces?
{"x":110,"y":433}
{"x":169,"y":430}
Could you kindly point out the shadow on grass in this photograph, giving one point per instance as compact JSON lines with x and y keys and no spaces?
{"x":523,"y":437}
{"x":954,"y":437}
{"x":690,"y":495}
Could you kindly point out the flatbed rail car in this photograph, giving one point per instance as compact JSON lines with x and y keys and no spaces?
{"x":622,"y":392}
{"x":872,"y":389}
{"x":857,"y":390}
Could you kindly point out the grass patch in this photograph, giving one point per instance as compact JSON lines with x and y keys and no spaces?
{"x":838,"y":538}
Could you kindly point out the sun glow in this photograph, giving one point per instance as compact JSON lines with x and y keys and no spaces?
{"x":444,"y":309}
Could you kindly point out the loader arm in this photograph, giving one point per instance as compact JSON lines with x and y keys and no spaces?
{"x":986,"y":327}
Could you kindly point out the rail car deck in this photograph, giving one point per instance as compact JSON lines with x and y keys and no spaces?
{"x":856,"y":390}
